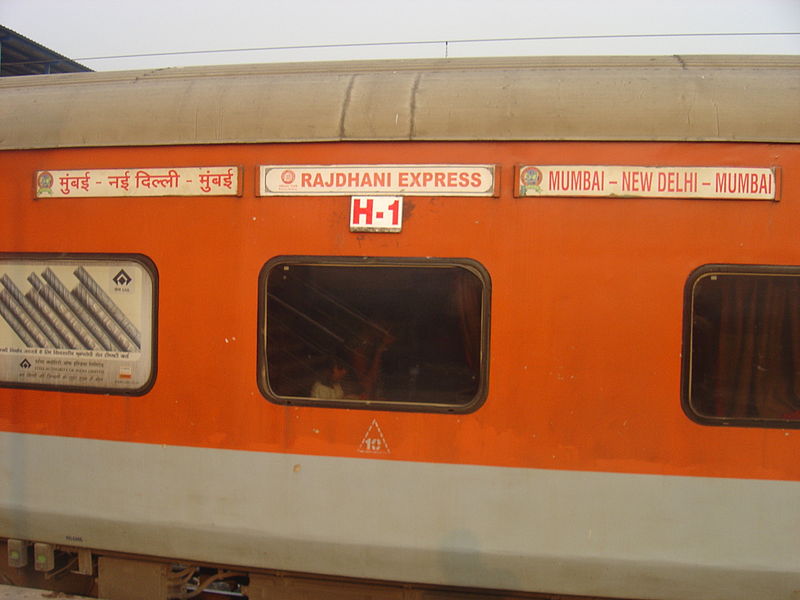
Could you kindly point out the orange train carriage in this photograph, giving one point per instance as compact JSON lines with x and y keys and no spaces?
{"x":560,"y":358}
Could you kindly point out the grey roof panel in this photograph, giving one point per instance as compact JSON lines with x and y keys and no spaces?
{"x":667,"y":98}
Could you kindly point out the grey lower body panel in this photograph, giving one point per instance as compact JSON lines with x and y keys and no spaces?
{"x":569,"y":532}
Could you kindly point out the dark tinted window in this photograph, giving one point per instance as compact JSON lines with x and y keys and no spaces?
{"x":404,"y":334}
{"x":742,"y":345}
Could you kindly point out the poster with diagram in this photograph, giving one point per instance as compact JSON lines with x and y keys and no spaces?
{"x":78,"y":322}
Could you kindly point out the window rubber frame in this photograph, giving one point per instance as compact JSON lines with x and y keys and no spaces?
{"x":472,"y":265}
{"x":694,"y":277}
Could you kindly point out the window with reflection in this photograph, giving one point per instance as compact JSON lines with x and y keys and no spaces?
{"x":407,"y":334}
{"x":742,"y":345}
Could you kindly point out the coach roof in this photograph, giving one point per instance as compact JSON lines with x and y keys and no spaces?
{"x":723,"y":98}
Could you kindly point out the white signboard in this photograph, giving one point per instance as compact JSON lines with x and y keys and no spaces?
{"x":376,"y":213}
{"x":77,"y":323}
{"x":725,"y":183}
{"x":157,"y":181}
{"x":347,"y":180}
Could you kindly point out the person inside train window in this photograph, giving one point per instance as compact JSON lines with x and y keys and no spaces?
{"x":745,"y":345}
{"x":330,"y":384}
{"x":404,"y":333}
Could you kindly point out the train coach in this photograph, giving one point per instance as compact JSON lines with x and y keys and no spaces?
{"x":404,"y":329}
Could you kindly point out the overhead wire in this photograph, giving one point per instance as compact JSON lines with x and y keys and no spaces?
{"x":446,"y":43}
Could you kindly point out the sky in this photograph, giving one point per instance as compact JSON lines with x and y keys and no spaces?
{"x":185,"y":32}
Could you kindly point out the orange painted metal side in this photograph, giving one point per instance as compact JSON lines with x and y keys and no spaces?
{"x":586,"y":314}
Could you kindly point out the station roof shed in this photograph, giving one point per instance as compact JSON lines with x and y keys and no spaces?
{"x":22,"y":56}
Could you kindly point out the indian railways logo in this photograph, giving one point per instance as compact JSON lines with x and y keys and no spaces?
{"x":288,"y":177}
{"x":44,"y":184}
{"x":530,"y":179}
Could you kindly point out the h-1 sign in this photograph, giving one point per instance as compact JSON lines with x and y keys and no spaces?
{"x":376,"y":213}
